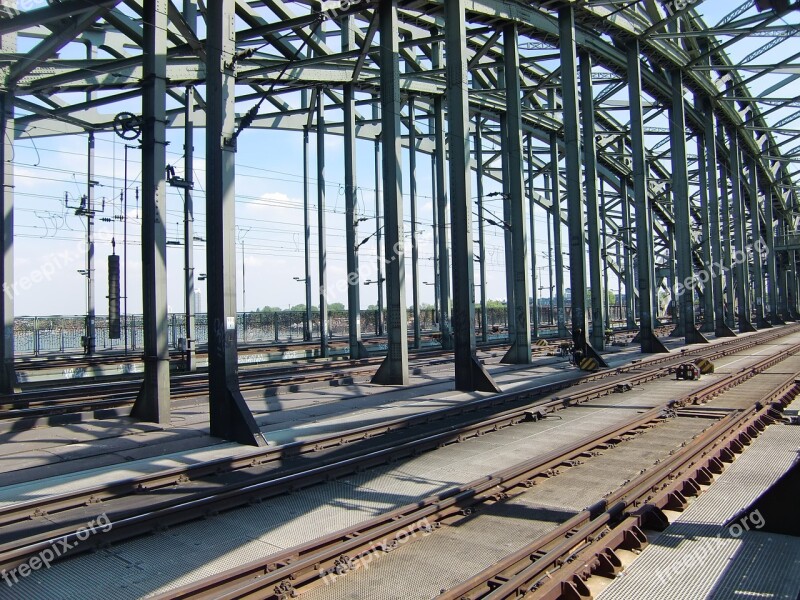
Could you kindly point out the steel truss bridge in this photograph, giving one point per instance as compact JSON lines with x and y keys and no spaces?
{"x":628,"y":121}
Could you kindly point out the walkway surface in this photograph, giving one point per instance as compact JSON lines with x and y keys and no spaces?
{"x":716,"y":549}
{"x":71,"y":457}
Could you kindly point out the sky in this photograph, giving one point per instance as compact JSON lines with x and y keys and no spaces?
{"x":50,"y":178}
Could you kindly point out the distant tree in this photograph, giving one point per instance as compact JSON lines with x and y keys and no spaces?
{"x":496,"y":304}
{"x":302,"y":308}
{"x":269,"y":309}
{"x":336,"y":306}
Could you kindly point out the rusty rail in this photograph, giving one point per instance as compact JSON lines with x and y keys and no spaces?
{"x":154,"y":515}
{"x":286,"y":573}
{"x":557,"y":564}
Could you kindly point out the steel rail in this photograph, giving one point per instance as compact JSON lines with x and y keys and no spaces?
{"x":105,"y":395}
{"x":28,"y":509}
{"x":558,"y":562}
{"x":144,"y":519}
{"x":338,"y":552}
{"x":649,"y":508}
{"x":109,"y":395}
{"x":286,"y":572}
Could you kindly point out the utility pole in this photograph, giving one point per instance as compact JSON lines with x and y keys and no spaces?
{"x":89,"y":346}
{"x":241,"y":234}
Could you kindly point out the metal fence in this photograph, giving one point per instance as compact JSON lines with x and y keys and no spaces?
{"x":40,"y":335}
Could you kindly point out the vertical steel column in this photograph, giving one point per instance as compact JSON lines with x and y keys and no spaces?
{"x":620,"y":252}
{"x":742,"y":271}
{"x":531,"y":205}
{"x":680,"y":196}
{"x":791,"y":287}
{"x":726,"y":234}
{"x":379,"y":329}
{"x":321,"y":245}
{"x":394,"y":370}
{"x":598,"y":289}
{"x":440,"y":203}
{"x":705,"y":274}
{"x":755,"y":229}
{"x":627,"y":233}
{"x":153,"y":401}
{"x":91,"y":334}
{"x":644,"y":241}
{"x":357,"y":349}
{"x":435,"y":228}
{"x":481,"y":232}
{"x":716,"y":272}
{"x":230,"y":416}
{"x":556,"y":210}
{"x":508,"y":242}
{"x":188,"y":225}
{"x":549,"y":250}
{"x":412,"y":165}
{"x":470,"y":374}
{"x":576,"y":221}
{"x":8,"y":379}
{"x":604,"y":254}
{"x":520,"y":350}
{"x":783,"y":273}
{"x":673,"y":283}
{"x":772,"y":271}
{"x":307,"y":317}
{"x":190,"y":16}
{"x":307,"y":322}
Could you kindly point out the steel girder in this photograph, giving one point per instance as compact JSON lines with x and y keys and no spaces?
{"x":279,"y":50}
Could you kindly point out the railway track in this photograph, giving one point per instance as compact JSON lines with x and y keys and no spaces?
{"x":89,"y":397}
{"x":557,"y":565}
{"x":76,"y":360}
{"x":71,"y":398}
{"x":145,"y":503}
{"x":79,"y":361}
{"x":553,"y":565}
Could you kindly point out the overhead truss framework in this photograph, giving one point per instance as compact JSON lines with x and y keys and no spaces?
{"x":737,"y":77}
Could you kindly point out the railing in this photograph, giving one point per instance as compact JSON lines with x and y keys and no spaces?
{"x":42,"y":335}
{"x":789,"y":241}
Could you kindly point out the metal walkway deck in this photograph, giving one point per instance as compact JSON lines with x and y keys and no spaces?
{"x":707,"y":553}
